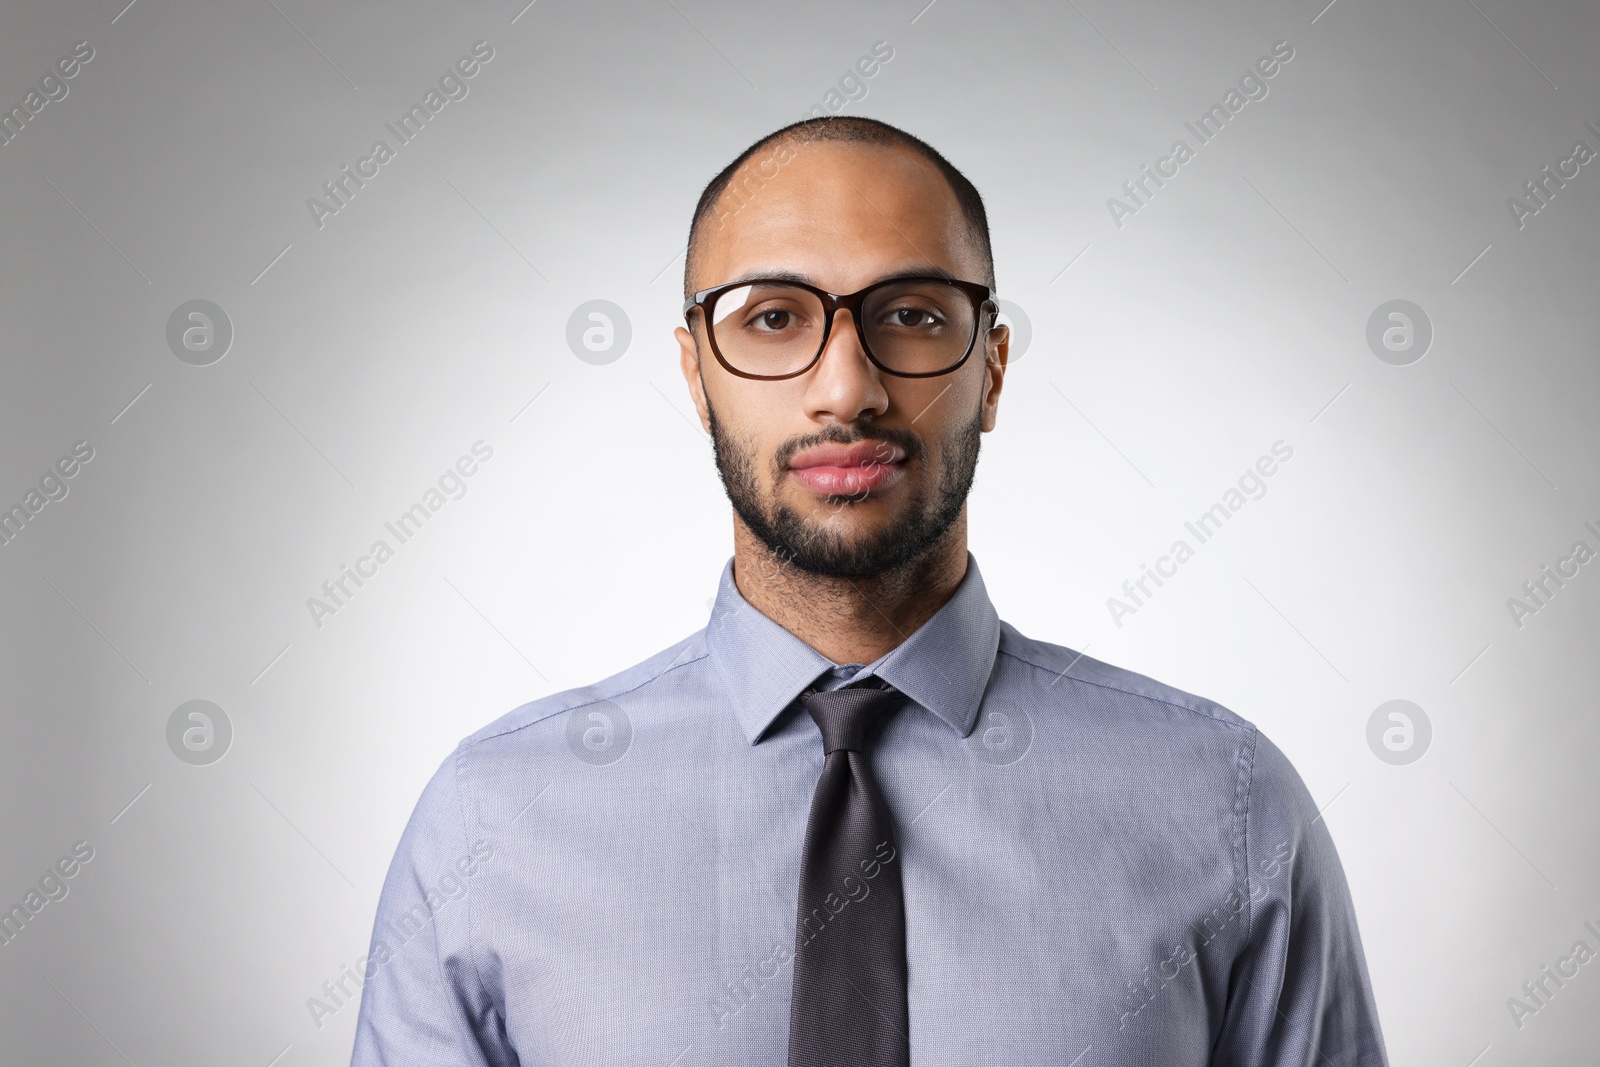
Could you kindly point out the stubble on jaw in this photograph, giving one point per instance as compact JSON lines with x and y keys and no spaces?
{"x":807,"y":553}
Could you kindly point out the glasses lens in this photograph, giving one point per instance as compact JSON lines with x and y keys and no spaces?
{"x":767,"y":328}
{"x":919,"y":327}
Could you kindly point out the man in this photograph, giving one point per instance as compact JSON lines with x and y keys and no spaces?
{"x":857,"y":819}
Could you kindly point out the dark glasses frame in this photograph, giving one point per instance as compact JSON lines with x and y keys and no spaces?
{"x":982,"y":298}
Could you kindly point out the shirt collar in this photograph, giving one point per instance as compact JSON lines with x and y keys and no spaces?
{"x":944,"y":666}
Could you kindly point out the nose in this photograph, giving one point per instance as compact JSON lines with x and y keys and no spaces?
{"x":844,"y":385}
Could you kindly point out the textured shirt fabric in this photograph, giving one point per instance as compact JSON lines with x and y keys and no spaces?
{"x":1099,"y":870}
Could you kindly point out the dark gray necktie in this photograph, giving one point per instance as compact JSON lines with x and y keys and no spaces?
{"x":849,"y":1003}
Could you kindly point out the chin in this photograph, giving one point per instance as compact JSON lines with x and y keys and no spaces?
{"x":805,"y":499}
{"x":851,"y":520}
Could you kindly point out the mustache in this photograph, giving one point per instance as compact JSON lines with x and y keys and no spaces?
{"x":907,"y":441}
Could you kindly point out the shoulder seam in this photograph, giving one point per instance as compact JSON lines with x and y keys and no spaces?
{"x":466,"y":830}
{"x":1243,"y":793}
{"x":470,"y":741}
{"x":1129,"y":692}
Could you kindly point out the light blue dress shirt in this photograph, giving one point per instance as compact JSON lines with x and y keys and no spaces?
{"x":1099,"y":870}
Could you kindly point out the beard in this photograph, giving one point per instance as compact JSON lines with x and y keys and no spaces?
{"x":817,"y":546}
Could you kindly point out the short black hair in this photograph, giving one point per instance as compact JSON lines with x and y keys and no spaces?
{"x":848,"y":129}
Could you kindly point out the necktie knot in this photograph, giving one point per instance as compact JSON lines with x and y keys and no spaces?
{"x":847,"y":716}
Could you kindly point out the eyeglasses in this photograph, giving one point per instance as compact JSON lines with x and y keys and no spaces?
{"x":914,"y":326}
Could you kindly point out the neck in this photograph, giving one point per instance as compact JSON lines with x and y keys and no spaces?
{"x":850,"y":620}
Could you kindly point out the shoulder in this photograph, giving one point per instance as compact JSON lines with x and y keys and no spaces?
{"x":532,"y":741}
{"x":1072,"y":677}
{"x":640,"y":677}
{"x":1267,"y":780}
{"x":1131,"y":729}
{"x":1128,"y":715}
{"x":496,"y":760}
{"x":1216,"y":759}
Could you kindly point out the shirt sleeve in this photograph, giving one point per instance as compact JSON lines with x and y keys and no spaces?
{"x":1299,"y":994}
{"x":423,"y":1000}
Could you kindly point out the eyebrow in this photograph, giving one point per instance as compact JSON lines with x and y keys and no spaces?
{"x":920,"y":270}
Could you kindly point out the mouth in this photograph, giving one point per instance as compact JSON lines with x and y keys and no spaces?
{"x":848,"y":470}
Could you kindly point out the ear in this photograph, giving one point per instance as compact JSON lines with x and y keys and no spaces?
{"x":996,"y":346}
{"x":689,"y":364}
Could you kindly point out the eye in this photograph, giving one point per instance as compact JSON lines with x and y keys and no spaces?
{"x":773,"y":319}
{"x":913,"y":318}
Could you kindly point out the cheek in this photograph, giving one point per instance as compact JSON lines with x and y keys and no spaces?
{"x":936,"y":407}
{"x":750,"y":420}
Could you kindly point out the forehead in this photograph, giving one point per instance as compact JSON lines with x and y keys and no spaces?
{"x":841,"y":214}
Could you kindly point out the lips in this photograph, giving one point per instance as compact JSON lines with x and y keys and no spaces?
{"x":848,"y":470}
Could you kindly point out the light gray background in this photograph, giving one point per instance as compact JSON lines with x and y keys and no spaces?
{"x":1228,"y":314}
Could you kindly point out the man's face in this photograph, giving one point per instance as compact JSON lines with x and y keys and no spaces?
{"x":844,"y":470}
